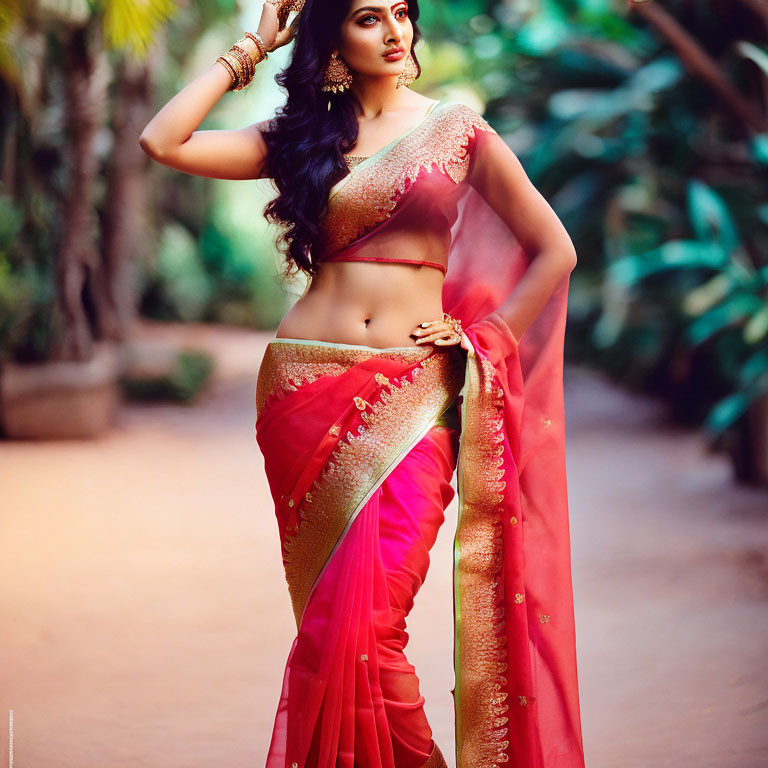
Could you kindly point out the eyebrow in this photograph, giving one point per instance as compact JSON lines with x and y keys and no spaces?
{"x":379,"y":8}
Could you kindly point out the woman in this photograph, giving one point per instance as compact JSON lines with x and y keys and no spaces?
{"x":430,"y":336}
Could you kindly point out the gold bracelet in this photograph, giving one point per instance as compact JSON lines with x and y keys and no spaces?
{"x":228,"y":66}
{"x":246,"y":61}
{"x":237,"y":65}
{"x":255,"y":58}
{"x":240,"y":64}
{"x":259,"y":43}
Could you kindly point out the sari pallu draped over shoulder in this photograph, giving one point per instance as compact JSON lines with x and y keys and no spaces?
{"x":516,"y":690}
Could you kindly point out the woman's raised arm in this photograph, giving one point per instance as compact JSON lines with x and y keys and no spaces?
{"x":172,"y":138}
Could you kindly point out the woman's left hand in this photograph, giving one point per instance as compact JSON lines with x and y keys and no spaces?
{"x":436,"y":331}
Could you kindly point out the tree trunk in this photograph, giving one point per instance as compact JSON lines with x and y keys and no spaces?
{"x":124,"y":230}
{"x":86,"y":74}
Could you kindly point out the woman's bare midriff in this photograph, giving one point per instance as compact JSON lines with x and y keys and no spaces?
{"x":375,"y":304}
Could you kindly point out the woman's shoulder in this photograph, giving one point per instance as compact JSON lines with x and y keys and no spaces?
{"x":450,"y":139}
{"x":461,"y":118}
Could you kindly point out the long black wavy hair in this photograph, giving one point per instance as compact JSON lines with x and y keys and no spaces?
{"x":306,"y":140}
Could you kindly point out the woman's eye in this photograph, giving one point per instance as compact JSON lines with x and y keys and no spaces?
{"x":402,"y":13}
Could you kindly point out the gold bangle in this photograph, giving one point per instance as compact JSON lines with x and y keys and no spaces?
{"x":240,"y":64}
{"x":260,"y":55}
{"x":237,"y":66}
{"x":259,"y":43}
{"x":247,"y":61}
{"x":242,"y":44}
{"x":221,"y":60}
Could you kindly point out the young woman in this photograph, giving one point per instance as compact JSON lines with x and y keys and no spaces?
{"x":430,"y":338}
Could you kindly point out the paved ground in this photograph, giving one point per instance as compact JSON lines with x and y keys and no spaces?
{"x":145,"y":617}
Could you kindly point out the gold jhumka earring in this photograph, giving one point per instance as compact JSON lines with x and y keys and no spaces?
{"x":337,"y":76}
{"x":410,"y":72}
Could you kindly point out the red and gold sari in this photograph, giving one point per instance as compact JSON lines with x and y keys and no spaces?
{"x":360,"y":446}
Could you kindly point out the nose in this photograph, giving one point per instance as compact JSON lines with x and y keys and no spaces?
{"x":393,"y":30}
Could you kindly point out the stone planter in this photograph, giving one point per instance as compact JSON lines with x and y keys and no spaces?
{"x":59,"y":400}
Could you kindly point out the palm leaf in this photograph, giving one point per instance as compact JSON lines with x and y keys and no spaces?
{"x":132,"y":25}
{"x":733,"y":309}
{"x":675,"y":254}
{"x":710,"y":217}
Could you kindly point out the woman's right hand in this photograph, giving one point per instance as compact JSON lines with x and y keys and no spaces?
{"x":173,"y":137}
{"x":272,"y":29}
{"x":439,"y":332}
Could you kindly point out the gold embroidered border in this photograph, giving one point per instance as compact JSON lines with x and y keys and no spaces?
{"x":371,"y":193}
{"x":360,"y":462}
{"x":480,"y":654}
{"x":288,"y":365}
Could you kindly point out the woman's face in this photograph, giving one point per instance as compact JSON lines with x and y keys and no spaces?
{"x":370,"y":29}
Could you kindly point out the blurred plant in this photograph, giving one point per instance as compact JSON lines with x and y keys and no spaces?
{"x":730,"y":301}
{"x":190,"y":376}
{"x":23,"y":295}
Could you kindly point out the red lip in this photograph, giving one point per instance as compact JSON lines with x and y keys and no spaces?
{"x":393,"y":51}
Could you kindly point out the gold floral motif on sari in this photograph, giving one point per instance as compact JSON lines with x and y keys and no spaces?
{"x":369,"y":194}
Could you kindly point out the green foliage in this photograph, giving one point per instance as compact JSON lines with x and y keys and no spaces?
{"x":660,"y":186}
{"x":14,"y":291}
{"x":730,"y":294}
{"x":223,"y":271}
{"x":26,"y":289}
{"x":178,"y":286}
{"x":190,"y":376}
{"x":226,"y":270}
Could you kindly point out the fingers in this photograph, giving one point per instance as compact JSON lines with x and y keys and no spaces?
{"x":281,"y":10}
{"x":431,"y":326}
{"x":268,"y":25}
{"x":286,"y":34}
{"x":436,"y":331}
{"x":436,"y":336}
{"x":293,"y":27}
